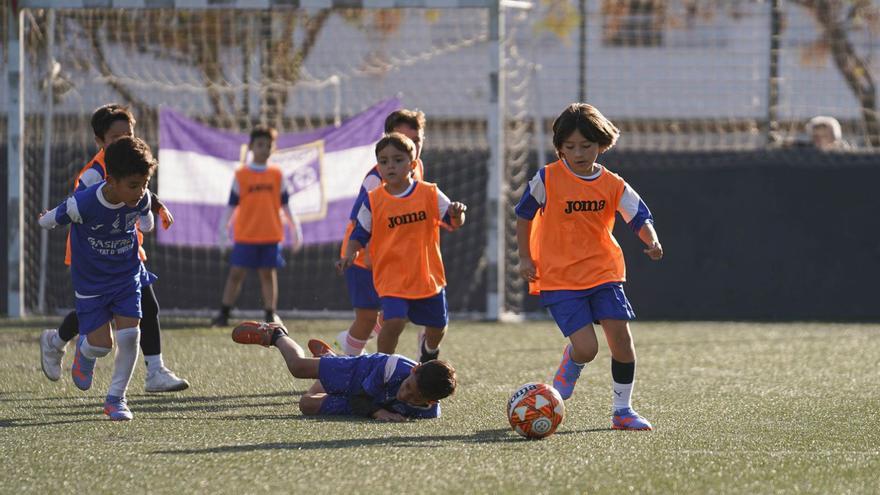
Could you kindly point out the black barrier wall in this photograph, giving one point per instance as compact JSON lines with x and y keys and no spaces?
{"x":779,"y":235}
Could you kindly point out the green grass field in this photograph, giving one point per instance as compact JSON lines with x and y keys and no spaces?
{"x":737,"y":408}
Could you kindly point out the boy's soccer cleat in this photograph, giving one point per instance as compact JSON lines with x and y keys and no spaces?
{"x":254,"y":332}
{"x":319,"y":348}
{"x":424,"y":355}
{"x":164,"y":380}
{"x":50,"y":356}
{"x":117,"y":409}
{"x":627,"y":419}
{"x":83,"y":368}
{"x":567,"y":374}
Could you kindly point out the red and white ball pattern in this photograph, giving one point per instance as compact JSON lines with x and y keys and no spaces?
{"x":535,"y":410}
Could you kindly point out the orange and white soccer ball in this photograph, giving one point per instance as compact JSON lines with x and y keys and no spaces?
{"x":535,"y":410}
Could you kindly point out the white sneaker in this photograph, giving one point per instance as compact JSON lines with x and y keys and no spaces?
{"x":50,"y":357}
{"x":164,"y":380}
{"x":341,"y":343}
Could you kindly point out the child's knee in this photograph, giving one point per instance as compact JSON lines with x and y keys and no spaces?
{"x":101,"y":337}
{"x":394,"y":324}
{"x":366,"y":317}
{"x":584,"y":352}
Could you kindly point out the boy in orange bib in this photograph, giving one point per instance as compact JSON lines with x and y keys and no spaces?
{"x":572,"y":259}
{"x":258,"y":198}
{"x":359,"y":277}
{"x":401,"y":223}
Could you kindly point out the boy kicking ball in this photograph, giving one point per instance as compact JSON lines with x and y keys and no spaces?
{"x":386,"y":387}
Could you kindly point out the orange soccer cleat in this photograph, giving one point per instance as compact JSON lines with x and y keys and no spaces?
{"x":254,"y":332}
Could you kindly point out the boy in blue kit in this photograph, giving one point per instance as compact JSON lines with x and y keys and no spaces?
{"x":108,"y":273}
{"x":387,"y":387}
{"x":109,"y":123}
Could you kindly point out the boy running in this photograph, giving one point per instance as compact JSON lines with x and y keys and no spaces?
{"x":401,"y":221}
{"x":109,"y":123}
{"x":108,"y":274}
{"x":573,"y":258}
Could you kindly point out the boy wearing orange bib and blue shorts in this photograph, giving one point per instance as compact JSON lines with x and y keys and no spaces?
{"x":359,"y":277}
{"x":569,"y":256}
{"x":400,"y":222}
{"x":259,"y":192}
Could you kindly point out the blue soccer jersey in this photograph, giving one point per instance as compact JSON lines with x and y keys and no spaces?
{"x":377,"y":376}
{"x":103,"y":240}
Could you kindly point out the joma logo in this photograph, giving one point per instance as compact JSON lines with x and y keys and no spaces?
{"x":572,"y":206}
{"x":406,"y":218}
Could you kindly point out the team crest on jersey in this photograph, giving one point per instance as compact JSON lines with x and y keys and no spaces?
{"x":116,"y":224}
{"x":589,"y":205}
{"x":416,"y":216}
{"x":130,"y":220}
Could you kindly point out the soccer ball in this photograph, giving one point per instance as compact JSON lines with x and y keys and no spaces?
{"x":535,"y":410}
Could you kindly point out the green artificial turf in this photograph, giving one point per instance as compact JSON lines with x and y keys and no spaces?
{"x":737,"y":408}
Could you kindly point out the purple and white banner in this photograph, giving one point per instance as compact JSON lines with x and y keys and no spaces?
{"x":323,"y":169}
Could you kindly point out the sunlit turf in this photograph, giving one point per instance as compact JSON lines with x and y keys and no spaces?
{"x":737,"y":407}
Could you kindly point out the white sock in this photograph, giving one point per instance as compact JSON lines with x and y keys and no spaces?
{"x":127,"y":351}
{"x":353,"y":346}
{"x":92,"y":351}
{"x":154,"y":363}
{"x":57,"y":343}
{"x":621,"y":395}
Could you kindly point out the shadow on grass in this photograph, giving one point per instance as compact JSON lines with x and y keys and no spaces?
{"x":24,"y":422}
{"x":149,"y":398}
{"x":500,"y":435}
{"x":168,"y":407}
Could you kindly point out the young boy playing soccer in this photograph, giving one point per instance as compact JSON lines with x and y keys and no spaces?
{"x":379,"y":386}
{"x":573,"y":257}
{"x":108,"y":273}
{"x":359,"y":277}
{"x":109,"y":123}
{"x":401,"y":222}
{"x":258,"y":192}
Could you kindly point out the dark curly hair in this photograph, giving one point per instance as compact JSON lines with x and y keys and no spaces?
{"x":436,"y":380}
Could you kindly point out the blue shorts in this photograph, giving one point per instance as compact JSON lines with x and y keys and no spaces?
{"x":93,"y":312}
{"x":256,"y":255}
{"x":336,"y":373}
{"x":147,"y":277}
{"x":429,"y":312}
{"x":574,"y":310}
{"x":361,"y":290}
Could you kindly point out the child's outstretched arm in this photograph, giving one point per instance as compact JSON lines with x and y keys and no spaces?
{"x":63,"y":214}
{"x":456,"y":214}
{"x":526,"y":264}
{"x":649,"y":236}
